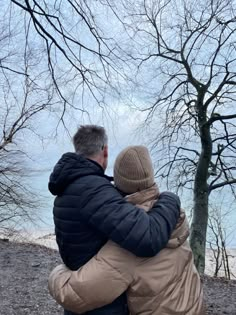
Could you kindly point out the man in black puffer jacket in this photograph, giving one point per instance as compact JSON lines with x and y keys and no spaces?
{"x":88,"y":211}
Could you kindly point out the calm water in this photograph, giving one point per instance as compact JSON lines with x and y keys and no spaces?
{"x":44,"y":221}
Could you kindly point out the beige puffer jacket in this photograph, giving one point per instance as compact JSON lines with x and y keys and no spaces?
{"x":162,"y":285}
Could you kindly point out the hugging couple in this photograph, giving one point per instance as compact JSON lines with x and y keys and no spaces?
{"x":123,"y":244}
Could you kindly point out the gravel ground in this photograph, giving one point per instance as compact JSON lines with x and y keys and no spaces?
{"x":23,"y":285}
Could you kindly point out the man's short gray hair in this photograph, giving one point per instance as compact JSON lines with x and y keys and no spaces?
{"x":89,"y":140}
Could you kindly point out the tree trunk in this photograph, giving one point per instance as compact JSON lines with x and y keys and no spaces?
{"x":201,"y":195}
{"x":199,"y":226}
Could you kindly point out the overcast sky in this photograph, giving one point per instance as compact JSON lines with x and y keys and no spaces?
{"x":123,"y":125}
{"x":123,"y":129}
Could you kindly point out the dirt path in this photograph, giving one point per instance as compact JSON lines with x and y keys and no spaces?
{"x":23,"y":283}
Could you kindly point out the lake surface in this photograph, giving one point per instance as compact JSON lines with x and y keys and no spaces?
{"x":44,"y":222}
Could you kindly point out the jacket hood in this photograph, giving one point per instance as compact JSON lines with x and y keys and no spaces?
{"x":146,"y":198}
{"x":70,"y":167}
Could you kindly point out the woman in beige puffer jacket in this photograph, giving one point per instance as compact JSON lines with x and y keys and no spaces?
{"x":166,"y":284}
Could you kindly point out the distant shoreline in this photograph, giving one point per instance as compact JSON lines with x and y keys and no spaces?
{"x":47,"y":239}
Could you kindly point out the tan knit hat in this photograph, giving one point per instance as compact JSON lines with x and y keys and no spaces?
{"x":133,"y":170}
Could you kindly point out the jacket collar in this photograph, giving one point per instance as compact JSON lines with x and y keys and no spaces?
{"x":71,"y":167}
{"x":144,"y":198}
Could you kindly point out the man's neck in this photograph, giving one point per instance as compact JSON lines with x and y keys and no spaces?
{"x":96,"y":159}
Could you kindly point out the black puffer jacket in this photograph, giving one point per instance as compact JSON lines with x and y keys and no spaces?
{"x":88,"y":211}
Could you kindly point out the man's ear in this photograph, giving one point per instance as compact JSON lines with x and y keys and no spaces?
{"x":105,"y":151}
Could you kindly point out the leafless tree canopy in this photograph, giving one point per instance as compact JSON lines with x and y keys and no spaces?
{"x":24,"y":95}
{"x":189,"y":50}
{"x":185,"y":60}
{"x":80,"y":57}
{"x":53,"y":53}
{"x":177,"y":56}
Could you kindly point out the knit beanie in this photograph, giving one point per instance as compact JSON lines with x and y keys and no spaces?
{"x":133,"y":170}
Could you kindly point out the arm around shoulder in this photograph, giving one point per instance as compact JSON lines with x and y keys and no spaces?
{"x":164,"y":217}
{"x":143,"y":234}
{"x":94,"y":285}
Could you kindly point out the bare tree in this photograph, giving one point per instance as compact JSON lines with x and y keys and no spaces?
{"x":185,"y":59}
{"x":217,"y":242}
{"x":25,"y":94}
{"x":54,"y":58}
{"x":80,"y":58}
{"x":17,"y":114}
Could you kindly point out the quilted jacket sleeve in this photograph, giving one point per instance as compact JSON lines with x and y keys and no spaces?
{"x":143,"y":234}
{"x":95,"y":284}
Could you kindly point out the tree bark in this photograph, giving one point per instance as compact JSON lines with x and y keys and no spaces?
{"x":199,"y":226}
{"x":201,"y":193}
